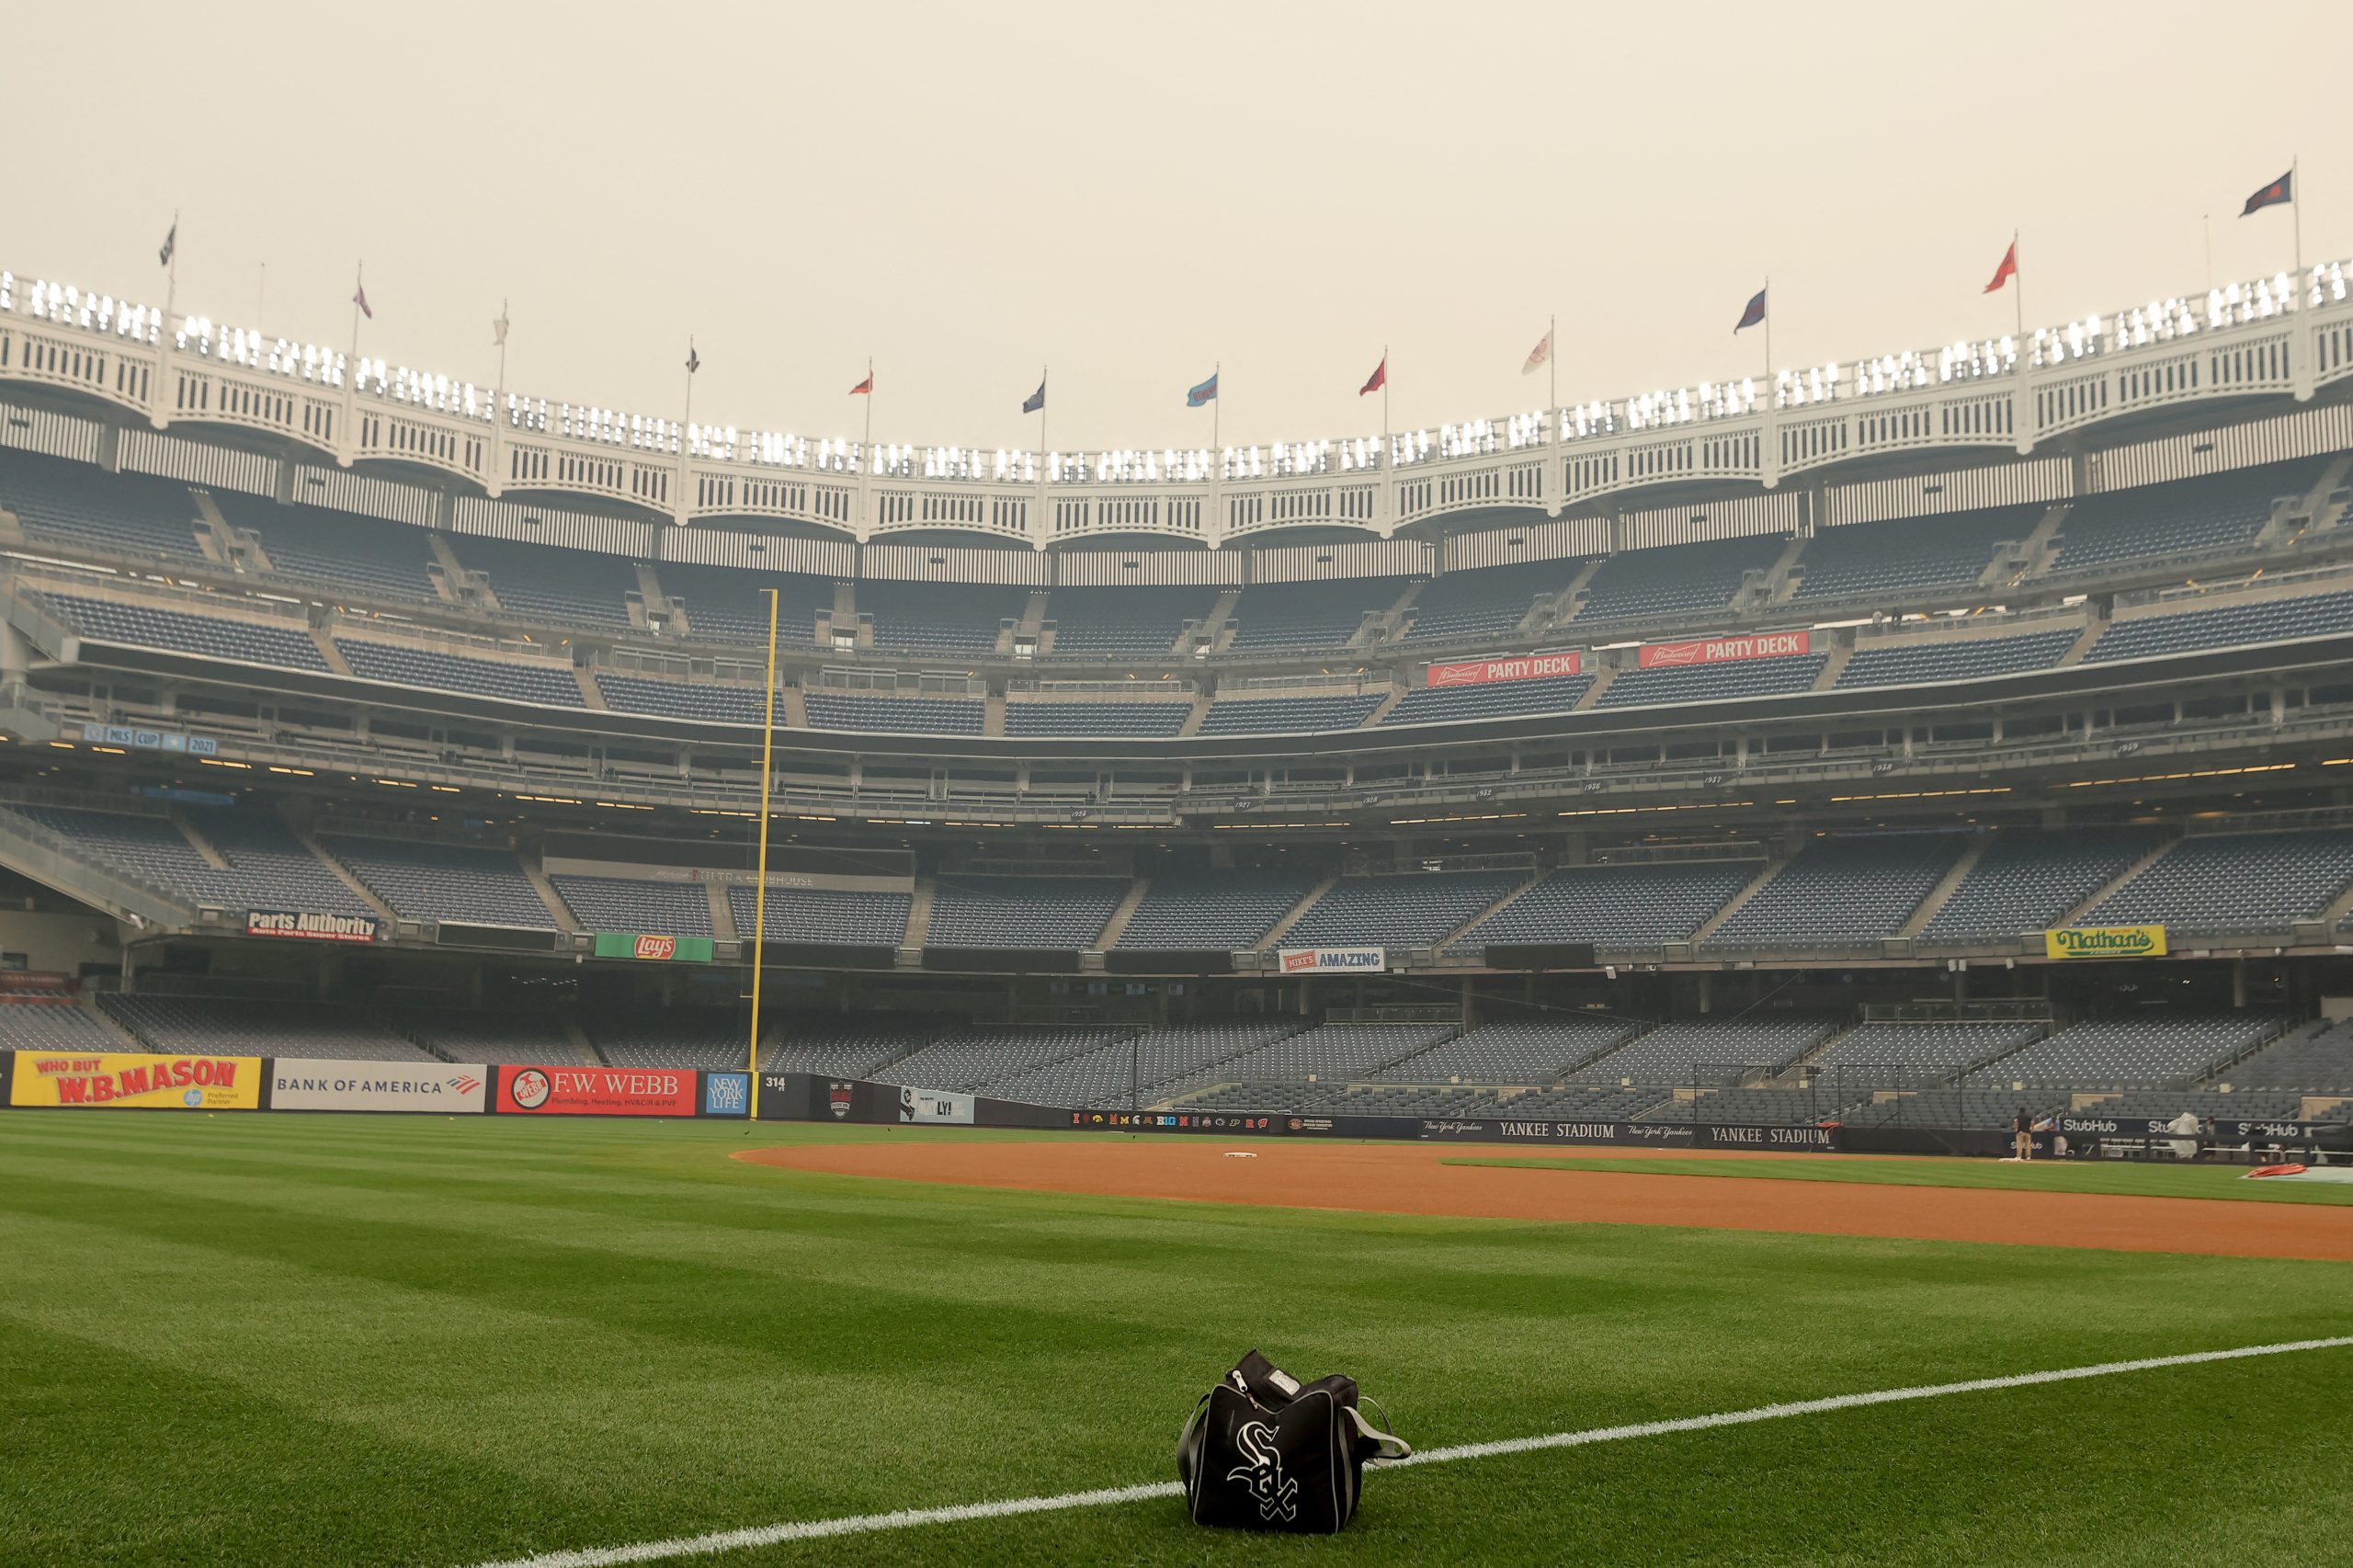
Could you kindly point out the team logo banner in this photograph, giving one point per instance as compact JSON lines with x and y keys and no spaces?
{"x":596,"y":1091}
{"x":2105,"y":942}
{"x":1331,"y":961}
{"x":934,"y":1106}
{"x":1725,"y":650}
{"x":1490,"y":672}
{"x":653,"y":947}
{"x":304,"y":1084}
{"x":315,"y":927}
{"x":159,"y":1083}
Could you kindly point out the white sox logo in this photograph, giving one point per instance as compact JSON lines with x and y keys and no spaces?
{"x":1277,"y":1494}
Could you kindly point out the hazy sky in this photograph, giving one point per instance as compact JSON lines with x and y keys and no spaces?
{"x":1135,"y":194}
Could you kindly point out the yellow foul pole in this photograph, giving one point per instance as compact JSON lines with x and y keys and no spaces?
{"x":760,"y":887}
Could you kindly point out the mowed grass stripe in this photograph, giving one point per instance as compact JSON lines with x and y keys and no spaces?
{"x":715,"y":1344}
{"x":794,"y":1532}
{"x":2113,"y":1177}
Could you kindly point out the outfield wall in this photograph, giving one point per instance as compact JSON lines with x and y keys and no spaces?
{"x":59,"y":1080}
{"x":798,"y":1096}
{"x":69,"y":1080}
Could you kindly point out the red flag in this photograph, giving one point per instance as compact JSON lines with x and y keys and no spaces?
{"x":1379,"y":378}
{"x":863,"y":387}
{"x":2007,"y":270}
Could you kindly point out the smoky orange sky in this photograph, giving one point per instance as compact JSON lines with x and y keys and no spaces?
{"x":1138,"y":194}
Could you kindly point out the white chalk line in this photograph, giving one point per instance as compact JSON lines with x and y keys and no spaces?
{"x":910,"y":1518}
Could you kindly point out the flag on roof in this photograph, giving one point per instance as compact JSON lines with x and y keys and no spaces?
{"x":1754,"y":313}
{"x":2279,"y":190}
{"x":1196,"y":395}
{"x":498,"y":327}
{"x":1378,"y":379}
{"x":1539,"y":356}
{"x":864,"y":387}
{"x":1036,"y":400}
{"x":694,"y":360}
{"x":360,"y":298}
{"x":2007,"y":270}
{"x":171,"y":243}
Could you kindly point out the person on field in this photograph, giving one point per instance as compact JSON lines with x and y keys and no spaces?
{"x":2022,"y":1135}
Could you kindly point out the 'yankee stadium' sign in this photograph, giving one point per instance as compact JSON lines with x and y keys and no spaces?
{"x":314,"y":926}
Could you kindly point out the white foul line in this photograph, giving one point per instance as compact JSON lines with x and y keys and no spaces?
{"x":908,"y":1519}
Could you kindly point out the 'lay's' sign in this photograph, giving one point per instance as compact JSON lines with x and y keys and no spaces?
{"x":163,"y":1083}
{"x":652,"y":946}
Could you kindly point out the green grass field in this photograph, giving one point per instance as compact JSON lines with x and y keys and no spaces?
{"x":2123,"y":1178}
{"x":269,"y":1341}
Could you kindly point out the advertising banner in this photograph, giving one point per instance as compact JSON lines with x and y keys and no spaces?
{"x":934,"y":1106}
{"x":307,"y":1084}
{"x":2105,"y":942}
{"x":654,"y":947}
{"x":1725,"y":650}
{"x":163,"y":1083}
{"x":1332,"y":960}
{"x":1491,"y":672}
{"x":309,"y":925}
{"x":596,"y":1091}
{"x":727,"y":1094}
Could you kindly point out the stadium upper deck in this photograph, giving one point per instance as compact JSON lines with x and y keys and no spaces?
{"x":2278,"y":338}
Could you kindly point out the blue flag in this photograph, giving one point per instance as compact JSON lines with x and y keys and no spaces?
{"x":2272,"y":195}
{"x":1753,"y":314}
{"x":1196,"y":396}
{"x":1036,"y":399}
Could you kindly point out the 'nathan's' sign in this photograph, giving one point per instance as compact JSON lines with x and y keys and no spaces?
{"x":1725,"y":650}
{"x":1490,"y":672}
{"x":2105,"y":942}
{"x":316,"y":928}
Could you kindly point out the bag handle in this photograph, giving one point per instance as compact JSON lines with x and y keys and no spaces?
{"x":1390,"y":1448}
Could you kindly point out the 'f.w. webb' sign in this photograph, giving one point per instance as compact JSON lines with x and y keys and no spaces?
{"x":1726,"y":650}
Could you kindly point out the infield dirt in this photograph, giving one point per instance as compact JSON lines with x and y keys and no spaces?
{"x":1412,"y":1179}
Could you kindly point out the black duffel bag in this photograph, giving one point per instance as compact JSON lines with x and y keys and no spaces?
{"x":1265,"y":1452}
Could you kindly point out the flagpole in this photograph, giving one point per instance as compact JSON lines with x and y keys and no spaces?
{"x":2017,"y":284}
{"x":1217,"y":403}
{"x":498,"y":402}
{"x":1553,"y":381}
{"x":761,"y":888}
{"x":351,"y":366}
{"x":1768,"y":338}
{"x":1384,"y":400}
{"x":685,"y":441}
{"x":866,"y":452}
{"x":2296,"y":206}
{"x":172,"y":272}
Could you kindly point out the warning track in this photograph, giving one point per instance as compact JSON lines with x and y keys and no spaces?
{"x":1412,"y":1179}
